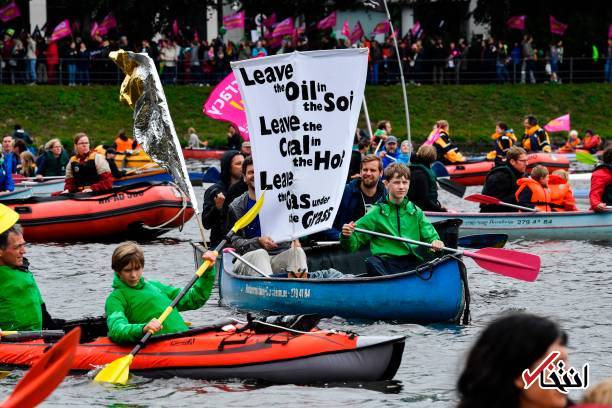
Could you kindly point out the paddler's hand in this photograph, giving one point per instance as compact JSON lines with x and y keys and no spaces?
{"x":382,"y":154}
{"x":601,"y":207}
{"x":87,"y":190}
{"x":267,"y":243}
{"x":209,"y":256}
{"x":153,"y":326}
{"x":219,"y":200}
{"x":348,"y":229}
{"x":437,"y":245}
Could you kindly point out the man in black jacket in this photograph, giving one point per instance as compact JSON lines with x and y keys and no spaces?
{"x":501,"y":181}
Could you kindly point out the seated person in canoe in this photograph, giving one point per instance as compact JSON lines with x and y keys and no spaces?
{"x":22,"y":307}
{"x":561,"y":194}
{"x":503,"y":139}
{"x":601,"y":183}
{"x":533,"y":192}
{"x":53,"y":162}
{"x":447,"y":151}
{"x":268,"y":256}
{"x":395,"y":215}
{"x":535,"y":138}
{"x":87,"y":170}
{"x":134,"y":304}
{"x":110,"y":155}
{"x":501,"y":180}
{"x":423,"y":191}
{"x":125,"y":144}
{"x":572,"y":143}
{"x":591,"y":141}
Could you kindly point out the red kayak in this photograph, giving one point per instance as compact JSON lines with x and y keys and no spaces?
{"x":202,"y":154}
{"x":137,"y":211}
{"x":221,"y":351}
{"x":474,"y":174}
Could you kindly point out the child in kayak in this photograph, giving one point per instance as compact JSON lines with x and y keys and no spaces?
{"x":533,"y":192}
{"x":561,"y":194}
{"x":393,"y":215}
{"x":133,"y":306}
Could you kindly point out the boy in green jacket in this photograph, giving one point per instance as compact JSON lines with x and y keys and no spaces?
{"x":135,"y":303}
{"x":395,"y":215}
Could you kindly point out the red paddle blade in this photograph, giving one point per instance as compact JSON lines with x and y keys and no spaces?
{"x":514,"y":264}
{"x":482,"y":199}
{"x":46,"y":373}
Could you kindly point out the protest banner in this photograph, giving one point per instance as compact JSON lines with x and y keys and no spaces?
{"x":9,"y":12}
{"x":560,"y":124}
{"x":302,"y":111}
{"x":225,"y":103}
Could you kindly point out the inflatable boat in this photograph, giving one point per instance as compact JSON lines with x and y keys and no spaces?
{"x":474,"y":173}
{"x":227,"y":350}
{"x":137,"y":211}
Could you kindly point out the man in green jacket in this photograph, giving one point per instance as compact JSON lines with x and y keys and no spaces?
{"x":135,"y":303}
{"x":21,"y":305}
{"x":397,"y":216}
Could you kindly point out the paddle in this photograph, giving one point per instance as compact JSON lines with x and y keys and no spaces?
{"x":586,"y":157}
{"x":117,"y":372}
{"x":485,"y":199}
{"x":439,"y":169}
{"x":143,"y":167}
{"x":483,"y":240}
{"x":45,"y":374}
{"x":41,"y":333}
{"x":233,"y":253}
{"x":452,"y":187}
{"x":514,"y":264}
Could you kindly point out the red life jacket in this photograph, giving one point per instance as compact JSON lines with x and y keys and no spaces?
{"x":540,"y":196}
{"x":561,"y":194}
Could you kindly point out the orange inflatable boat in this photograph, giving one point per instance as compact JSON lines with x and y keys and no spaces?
{"x":137,"y":211}
{"x":474,"y":174}
{"x":225,"y":351}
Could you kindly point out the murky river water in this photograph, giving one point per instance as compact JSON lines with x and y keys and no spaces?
{"x":574,"y":287}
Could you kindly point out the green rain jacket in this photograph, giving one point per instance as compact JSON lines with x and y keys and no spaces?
{"x":405,"y":220}
{"x":20,"y":300}
{"x":129,"y":309}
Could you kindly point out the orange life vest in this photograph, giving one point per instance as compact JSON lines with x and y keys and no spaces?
{"x":123,"y":145}
{"x":570,"y":145}
{"x":561,"y":194}
{"x":540,"y":196}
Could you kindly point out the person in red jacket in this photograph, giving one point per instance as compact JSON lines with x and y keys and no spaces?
{"x":561,"y":194}
{"x":52,"y":56}
{"x":591,"y":141}
{"x":533,"y":191}
{"x":88,"y":170}
{"x":601,"y":183}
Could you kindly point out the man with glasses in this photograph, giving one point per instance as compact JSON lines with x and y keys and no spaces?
{"x":501,"y":180}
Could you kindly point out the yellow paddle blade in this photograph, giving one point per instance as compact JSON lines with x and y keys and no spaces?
{"x":116,"y":372}
{"x":250,"y":215}
{"x":7,"y":333}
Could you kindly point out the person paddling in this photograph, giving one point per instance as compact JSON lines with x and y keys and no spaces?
{"x":21,"y":304}
{"x":133,"y":306}
{"x":394,"y":215}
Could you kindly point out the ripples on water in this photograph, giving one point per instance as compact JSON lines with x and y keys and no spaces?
{"x":573,"y":288}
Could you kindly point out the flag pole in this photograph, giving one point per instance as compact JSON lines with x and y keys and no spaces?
{"x":367,"y":117}
{"x":401,"y":70}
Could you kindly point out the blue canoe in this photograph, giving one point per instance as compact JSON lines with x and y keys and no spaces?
{"x":435,"y":292}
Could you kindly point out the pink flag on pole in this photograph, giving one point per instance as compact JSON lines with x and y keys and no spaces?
{"x":270,"y":21}
{"x":108,"y":22}
{"x":381,"y":28}
{"x":9,"y":12}
{"x":415,"y":28}
{"x":610,"y":31}
{"x":516,"y":22}
{"x":94,"y":30}
{"x":175,"y":27}
{"x":61,"y":30}
{"x":234,"y":21}
{"x":285,"y":27}
{"x":556,"y":27}
{"x":346,"y":30}
{"x":357,"y":33}
{"x":560,"y":124}
{"x":196,"y":37}
{"x":328,"y":22}
{"x":225,"y":103}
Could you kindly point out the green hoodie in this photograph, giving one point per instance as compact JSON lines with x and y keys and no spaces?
{"x":405,"y":220}
{"x":129,"y":309}
{"x":20,"y":300}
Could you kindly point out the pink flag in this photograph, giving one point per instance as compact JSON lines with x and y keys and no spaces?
{"x":234,"y":21}
{"x":516,"y":22}
{"x":357,"y":33}
{"x":610,"y":31}
{"x":9,"y":12}
{"x":108,"y":22}
{"x":381,"y":28}
{"x":270,"y":21}
{"x":328,"y":22}
{"x":94,"y":30}
{"x":61,"y":30}
{"x":196,"y":37}
{"x":225,"y":103}
{"x":285,"y":27}
{"x":346,"y":30}
{"x":562,"y":123}
{"x":415,"y":28}
{"x":175,"y":27}
{"x":556,"y":27}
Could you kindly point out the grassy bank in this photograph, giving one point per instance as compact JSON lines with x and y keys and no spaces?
{"x":472,"y":110}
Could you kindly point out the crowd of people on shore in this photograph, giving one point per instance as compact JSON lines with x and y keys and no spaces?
{"x":80,"y":60}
